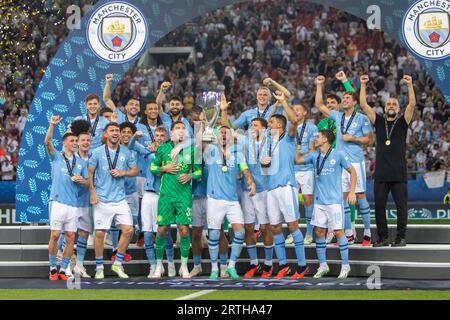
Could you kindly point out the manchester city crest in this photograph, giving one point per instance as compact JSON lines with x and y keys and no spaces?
{"x":426,"y":29}
{"x":117,"y":32}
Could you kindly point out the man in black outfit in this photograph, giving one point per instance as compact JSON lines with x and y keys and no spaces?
{"x":390,"y":166}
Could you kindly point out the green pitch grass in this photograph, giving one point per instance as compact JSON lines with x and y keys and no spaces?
{"x":58,"y":294}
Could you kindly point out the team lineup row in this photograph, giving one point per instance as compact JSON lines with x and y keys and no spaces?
{"x":107,"y":164}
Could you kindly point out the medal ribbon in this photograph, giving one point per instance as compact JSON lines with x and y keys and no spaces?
{"x":348,"y":123}
{"x":112,"y":165}
{"x":320,"y":167}
{"x":70,"y":168}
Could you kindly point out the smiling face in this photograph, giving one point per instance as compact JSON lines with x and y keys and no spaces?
{"x":263,"y":96}
{"x":175,"y":107}
{"x":70,"y":143}
{"x":151,"y":111}
{"x":160,"y":136}
{"x":332,"y":104}
{"x":300,"y":112}
{"x":112,"y":134}
{"x":92,"y":106}
{"x":275,"y":126}
{"x":84,"y":142}
{"x":125,"y":135}
{"x":133,"y":107}
{"x":321,"y":139}
{"x":347,"y":101}
{"x":257,"y":129}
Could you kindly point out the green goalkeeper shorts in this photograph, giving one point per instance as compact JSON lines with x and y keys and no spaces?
{"x":174,"y":210}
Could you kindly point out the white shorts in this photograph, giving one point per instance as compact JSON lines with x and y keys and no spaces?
{"x":282,"y":205}
{"x":305,"y":180}
{"x":63,"y":217}
{"x":140,"y":184}
{"x":133,"y":203}
{"x":255,"y":207}
{"x":360,"y":169}
{"x":217,"y":210}
{"x":149,"y":208}
{"x":105,"y":214}
{"x":85,"y":219}
{"x":332,"y":215}
{"x":199,"y":211}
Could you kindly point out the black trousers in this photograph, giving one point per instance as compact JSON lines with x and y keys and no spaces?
{"x":400,"y":194}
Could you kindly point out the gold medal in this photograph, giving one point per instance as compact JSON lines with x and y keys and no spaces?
{"x":388,"y":142}
{"x":224,"y":168}
{"x":73,"y":178}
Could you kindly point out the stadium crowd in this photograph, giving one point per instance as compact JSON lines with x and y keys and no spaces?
{"x":238,"y":46}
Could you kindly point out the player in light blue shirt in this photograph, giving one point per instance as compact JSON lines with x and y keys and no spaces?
{"x":150,"y":197}
{"x":328,"y":166}
{"x":96,"y":122}
{"x":111,"y":164}
{"x":69,"y":175}
{"x":85,"y":216}
{"x":132,"y":108}
{"x":224,"y":162}
{"x":255,"y":208}
{"x":282,"y":202}
{"x":306,"y":134}
{"x":353,"y":130}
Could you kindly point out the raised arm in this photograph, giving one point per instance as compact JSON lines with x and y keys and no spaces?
{"x":281,"y":98}
{"x":410,"y":108}
{"x":223,"y":110}
{"x":161,"y":95}
{"x":107,"y":93}
{"x":268,"y":82}
{"x":370,"y":113}
{"x":54,"y":120}
{"x":320,"y":80}
{"x":343,"y":78}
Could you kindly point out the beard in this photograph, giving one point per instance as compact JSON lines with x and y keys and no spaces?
{"x":391,"y":113}
{"x":175,"y":112}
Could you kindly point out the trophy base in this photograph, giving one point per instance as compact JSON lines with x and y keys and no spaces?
{"x":209,"y":138}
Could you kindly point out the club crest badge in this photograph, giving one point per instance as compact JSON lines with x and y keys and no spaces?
{"x":117,"y":32}
{"x":426,"y":29}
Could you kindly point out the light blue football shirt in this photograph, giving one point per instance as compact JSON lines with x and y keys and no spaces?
{"x":254,"y":151}
{"x":223,"y":185}
{"x":122,"y":117}
{"x":84,"y":194}
{"x":281,"y":171}
{"x":108,"y":188}
{"x":167,"y":121}
{"x":63,"y":189}
{"x":359,"y":127}
{"x":152,"y":182}
{"x":247,"y":116}
{"x":303,"y":142}
{"x":328,"y":186}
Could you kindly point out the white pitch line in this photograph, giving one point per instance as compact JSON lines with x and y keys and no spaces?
{"x":195,"y":295}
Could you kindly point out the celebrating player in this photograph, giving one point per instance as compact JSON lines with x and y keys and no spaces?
{"x":97,"y":123}
{"x":175,"y":199}
{"x":224,"y":163}
{"x":328,"y":164}
{"x":306,"y":134}
{"x":85,"y":222}
{"x":353,"y":131}
{"x":111,"y":164}
{"x":132,"y":108}
{"x":69,"y":175}
{"x":282,"y":204}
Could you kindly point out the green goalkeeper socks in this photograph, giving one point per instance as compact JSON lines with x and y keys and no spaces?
{"x":353,"y":214}
{"x":185,"y":245}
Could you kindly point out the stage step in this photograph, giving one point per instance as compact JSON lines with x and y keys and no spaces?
{"x":418,"y":234}
{"x":411,"y":253}
{"x":388,"y":269}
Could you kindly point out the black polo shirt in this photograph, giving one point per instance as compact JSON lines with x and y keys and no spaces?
{"x":390,"y":163}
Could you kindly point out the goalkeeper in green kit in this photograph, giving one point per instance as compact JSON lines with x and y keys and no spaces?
{"x":174,"y":161}
{"x":333,"y":102}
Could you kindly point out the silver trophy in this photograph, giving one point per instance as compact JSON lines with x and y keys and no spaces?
{"x":210,"y":103}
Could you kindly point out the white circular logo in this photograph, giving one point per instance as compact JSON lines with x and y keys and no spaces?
{"x":122,"y":158}
{"x":117,"y":32}
{"x":332,"y":162}
{"x":79,"y":166}
{"x":426,"y":28}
